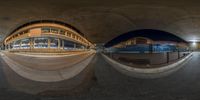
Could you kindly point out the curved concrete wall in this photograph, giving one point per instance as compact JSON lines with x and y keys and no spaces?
{"x":147,"y":72}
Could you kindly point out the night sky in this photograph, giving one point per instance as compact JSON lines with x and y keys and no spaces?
{"x":155,"y":35}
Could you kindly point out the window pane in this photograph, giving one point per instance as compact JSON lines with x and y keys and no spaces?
{"x":45,"y":30}
{"x":68,"y":45}
{"x":16,"y":44}
{"x":41,"y":43}
{"x":54,"y":30}
{"x":54,"y":42}
{"x":62,"y":32}
{"x":25,"y":43}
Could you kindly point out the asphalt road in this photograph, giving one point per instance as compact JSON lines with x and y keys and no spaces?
{"x":112,"y":85}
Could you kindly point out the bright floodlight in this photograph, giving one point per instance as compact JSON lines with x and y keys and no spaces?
{"x":194,"y":43}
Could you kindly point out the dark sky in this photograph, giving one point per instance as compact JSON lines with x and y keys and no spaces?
{"x":155,"y":35}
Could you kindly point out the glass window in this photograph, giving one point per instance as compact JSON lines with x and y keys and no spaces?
{"x":68,"y":45}
{"x":25,"y":43}
{"x":79,"y":46}
{"x":11,"y":45}
{"x":16,"y":44}
{"x":45,"y":30}
{"x":54,"y":42}
{"x":62,"y":32}
{"x":41,"y":42}
{"x":54,"y":30}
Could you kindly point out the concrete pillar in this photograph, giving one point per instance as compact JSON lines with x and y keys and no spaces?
{"x":63,"y":44}
{"x":70,"y":35}
{"x":49,"y":43}
{"x":8,"y":46}
{"x":74,"y":45}
{"x":66,"y":34}
{"x":20,"y":46}
{"x":177,"y":45}
{"x":58,"y":43}
{"x":5,"y":47}
{"x":31,"y":43}
{"x":178,"y":54}
{"x":167,"y":57}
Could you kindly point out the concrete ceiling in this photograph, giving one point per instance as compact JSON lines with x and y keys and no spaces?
{"x":102,"y":20}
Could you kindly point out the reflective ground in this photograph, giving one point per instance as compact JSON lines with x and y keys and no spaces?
{"x":109,"y":84}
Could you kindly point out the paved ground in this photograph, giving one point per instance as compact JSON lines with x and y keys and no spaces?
{"x":146,"y":60}
{"x":112,"y":85}
{"x":47,"y":63}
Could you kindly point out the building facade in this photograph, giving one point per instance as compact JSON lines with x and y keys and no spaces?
{"x":46,"y":37}
{"x":143,"y":44}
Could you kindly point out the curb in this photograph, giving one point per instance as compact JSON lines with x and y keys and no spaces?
{"x":147,"y":72}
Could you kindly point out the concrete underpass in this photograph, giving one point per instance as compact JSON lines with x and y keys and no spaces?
{"x":100,"y":50}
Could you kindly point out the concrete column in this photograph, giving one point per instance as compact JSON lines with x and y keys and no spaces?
{"x":66,"y":34}
{"x":63,"y":44}
{"x":74,"y":45}
{"x":20,"y":46}
{"x":5,"y":47}
{"x":33,"y":41}
{"x":31,"y":44}
{"x":8,"y":46}
{"x":178,"y":54}
{"x":167,"y":57}
{"x":49,"y":43}
{"x":71,"y":35}
{"x":178,"y":50}
{"x":58,"y":43}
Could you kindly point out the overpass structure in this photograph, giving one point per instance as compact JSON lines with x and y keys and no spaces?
{"x":48,"y":47}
